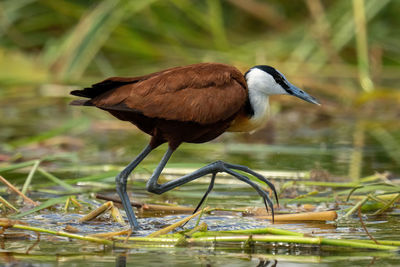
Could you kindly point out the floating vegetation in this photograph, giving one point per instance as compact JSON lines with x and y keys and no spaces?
{"x":201,"y":235}
{"x":347,"y":196}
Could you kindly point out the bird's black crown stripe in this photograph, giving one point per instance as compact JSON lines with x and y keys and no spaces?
{"x":279,"y":79}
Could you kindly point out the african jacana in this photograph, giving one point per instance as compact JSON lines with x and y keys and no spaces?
{"x":194,"y":104}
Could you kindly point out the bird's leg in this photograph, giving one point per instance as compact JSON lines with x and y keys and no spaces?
{"x":213,"y":168}
{"x":210,"y":187}
{"x":121,"y":180}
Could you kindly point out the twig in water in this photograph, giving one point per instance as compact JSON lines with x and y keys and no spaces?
{"x":6,"y":223}
{"x":34,"y":244}
{"x":372,"y":262}
{"x":304,"y":216}
{"x":73,"y":201}
{"x":198,"y":219}
{"x":149,"y":207}
{"x":128,"y":234}
{"x":364,"y":227}
{"x":100,"y":210}
{"x":355,"y":207}
{"x":168,"y":229}
{"x":8,"y":204}
{"x":117,"y":215}
{"x":13,"y":188}
{"x":388,"y":205}
{"x":199,"y":228}
{"x":112,"y":234}
{"x":118,"y":200}
{"x":258,"y":231}
{"x":66,"y":206}
{"x":352,"y":191}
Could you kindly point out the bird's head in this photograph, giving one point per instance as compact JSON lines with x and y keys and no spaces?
{"x":269,"y":81}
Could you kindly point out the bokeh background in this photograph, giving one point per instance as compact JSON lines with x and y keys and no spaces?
{"x":345,"y":53}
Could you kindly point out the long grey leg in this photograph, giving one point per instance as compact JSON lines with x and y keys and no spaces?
{"x":213,"y":168}
{"x":210,"y":187}
{"x":121,"y":180}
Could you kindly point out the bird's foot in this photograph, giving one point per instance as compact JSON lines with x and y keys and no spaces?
{"x":221,"y":166}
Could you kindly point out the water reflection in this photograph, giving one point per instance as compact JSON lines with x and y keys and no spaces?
{"x":120,"y":260}
{"x":267,"y":263}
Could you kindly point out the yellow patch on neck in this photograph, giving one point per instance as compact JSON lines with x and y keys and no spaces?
{"x":243,"y":123}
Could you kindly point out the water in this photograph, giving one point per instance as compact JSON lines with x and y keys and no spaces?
{"x":300,"y":139}
{"x":59,"y":251}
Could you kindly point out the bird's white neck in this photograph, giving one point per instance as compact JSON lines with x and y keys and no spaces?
{"x":259,"y":102}
{"x":251,"y":122}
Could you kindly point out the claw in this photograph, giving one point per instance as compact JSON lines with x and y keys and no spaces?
{"x":266,"y":205}
{"x":267,"y":199}
{"x":263,"y":179}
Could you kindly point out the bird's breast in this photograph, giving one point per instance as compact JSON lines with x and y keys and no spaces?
{"x":244,"y":123}
{"x":250,"y":122}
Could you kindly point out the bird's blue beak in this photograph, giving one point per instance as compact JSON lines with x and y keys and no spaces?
{"x":293,"y":90}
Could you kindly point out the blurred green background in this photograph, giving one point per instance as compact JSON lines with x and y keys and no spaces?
{"x":345,"y":53}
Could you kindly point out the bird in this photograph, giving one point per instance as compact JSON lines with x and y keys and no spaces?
{"x":190,"y":104}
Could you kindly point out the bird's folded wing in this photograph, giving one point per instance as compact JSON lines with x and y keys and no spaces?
{"x":204,"y":94}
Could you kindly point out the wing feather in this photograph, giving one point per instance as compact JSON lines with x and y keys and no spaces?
{"x":203,"y":93}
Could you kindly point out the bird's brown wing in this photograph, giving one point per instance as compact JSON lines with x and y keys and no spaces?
{"x":203,"y":93}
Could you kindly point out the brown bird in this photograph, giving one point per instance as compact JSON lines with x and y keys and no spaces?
{"x":193,"y":104}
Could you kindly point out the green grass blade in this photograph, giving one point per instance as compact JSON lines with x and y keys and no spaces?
{"x":17,"y":166}
{"x":30,"y":176}
{"x":54,"y":179}
{"x":362,"y":45}
{"x":44,"y":205}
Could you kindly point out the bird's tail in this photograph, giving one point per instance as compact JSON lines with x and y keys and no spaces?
{"x":81,"y":102}
{"x":104,"y":86}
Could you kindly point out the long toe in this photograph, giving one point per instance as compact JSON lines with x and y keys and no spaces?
{"x":257,"y":175}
